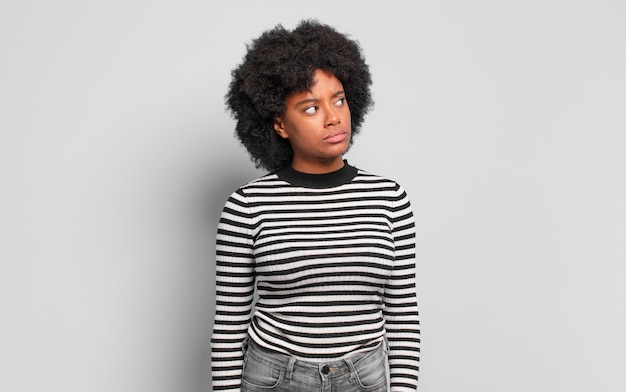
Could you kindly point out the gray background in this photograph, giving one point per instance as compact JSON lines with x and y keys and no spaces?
{"x":504,"y":120}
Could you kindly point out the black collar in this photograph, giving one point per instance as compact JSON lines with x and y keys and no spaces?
{"x":325,"y":180}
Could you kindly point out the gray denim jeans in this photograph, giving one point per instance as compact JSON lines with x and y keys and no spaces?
{"x":266,"y":370}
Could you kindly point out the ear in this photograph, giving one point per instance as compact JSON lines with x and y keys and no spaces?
{"x":279,"y":127}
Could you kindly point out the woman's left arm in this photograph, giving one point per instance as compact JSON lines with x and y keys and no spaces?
{"x":401,"y":313}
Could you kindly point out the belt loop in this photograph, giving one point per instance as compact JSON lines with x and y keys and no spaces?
{"x":352,"y":368}
{"x":292,"y":362}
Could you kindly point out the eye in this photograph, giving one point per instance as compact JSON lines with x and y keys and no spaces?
{"x":340,"y":102}
{"x":311,"y":110}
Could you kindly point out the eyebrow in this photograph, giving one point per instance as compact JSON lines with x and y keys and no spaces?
{"x":312,"y":100}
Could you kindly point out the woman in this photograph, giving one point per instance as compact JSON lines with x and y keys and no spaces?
{"x":330,"y":247}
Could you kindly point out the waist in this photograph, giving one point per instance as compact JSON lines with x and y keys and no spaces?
{"x":313,"y":343}
{"x":328,"y":369}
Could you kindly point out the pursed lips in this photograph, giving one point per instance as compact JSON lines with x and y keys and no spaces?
{"x":336,"y":137}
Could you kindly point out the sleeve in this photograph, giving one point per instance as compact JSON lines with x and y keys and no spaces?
{"x":234,"y":293}
{"x":401,"y":313}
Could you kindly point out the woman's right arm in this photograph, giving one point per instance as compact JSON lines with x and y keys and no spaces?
{"x":234,"y":293}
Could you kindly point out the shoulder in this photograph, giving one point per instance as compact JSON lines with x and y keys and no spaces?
{"x":265,"y":182}
{"x":377,"y":180}
{"x":260,"y":187}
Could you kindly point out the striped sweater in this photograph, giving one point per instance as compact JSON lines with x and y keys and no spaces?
{"x":333,"y":258}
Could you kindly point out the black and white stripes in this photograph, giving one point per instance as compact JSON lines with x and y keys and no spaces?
{"x":333,"y":258}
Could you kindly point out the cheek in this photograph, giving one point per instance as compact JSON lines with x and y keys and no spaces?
{"x":348,"y":116}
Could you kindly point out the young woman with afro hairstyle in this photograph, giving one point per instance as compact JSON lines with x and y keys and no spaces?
{"x":329,"y":247}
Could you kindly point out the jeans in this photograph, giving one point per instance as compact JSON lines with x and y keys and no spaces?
{"x":266,"y":370}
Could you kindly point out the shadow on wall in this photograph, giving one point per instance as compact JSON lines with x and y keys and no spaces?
{"x":216,"y":167}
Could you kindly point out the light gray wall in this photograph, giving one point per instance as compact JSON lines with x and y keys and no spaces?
{"x":504,"y":120}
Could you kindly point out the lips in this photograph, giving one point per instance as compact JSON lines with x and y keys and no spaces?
{"x":336,"y":137}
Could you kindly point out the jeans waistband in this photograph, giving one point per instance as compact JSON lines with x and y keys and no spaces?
{"x":325,"y":369}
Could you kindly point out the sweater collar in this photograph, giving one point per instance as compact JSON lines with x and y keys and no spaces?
{"x":325,"y":180}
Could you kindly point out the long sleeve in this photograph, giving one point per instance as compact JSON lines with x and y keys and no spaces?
{"x":234,"y":293}
{"x":401,"y":313}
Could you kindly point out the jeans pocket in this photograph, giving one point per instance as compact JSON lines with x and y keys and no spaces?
{"x":259,"y":376}
{"x":371,"y":373}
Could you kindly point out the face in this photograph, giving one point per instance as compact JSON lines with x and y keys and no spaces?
{"x":317,"y":125}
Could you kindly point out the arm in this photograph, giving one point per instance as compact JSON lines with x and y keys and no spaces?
{"x":401,"y":314}
{"x":234,"y":293}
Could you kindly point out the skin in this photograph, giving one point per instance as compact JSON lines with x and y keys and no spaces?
{"x":317,"y":125}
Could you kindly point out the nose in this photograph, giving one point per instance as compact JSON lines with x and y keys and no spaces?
{"x":333,"y":117}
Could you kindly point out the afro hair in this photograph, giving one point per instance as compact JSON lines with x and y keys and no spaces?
{"x":281,"y":62}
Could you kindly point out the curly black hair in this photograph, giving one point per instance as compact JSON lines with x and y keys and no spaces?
{"x":281,"y":62}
